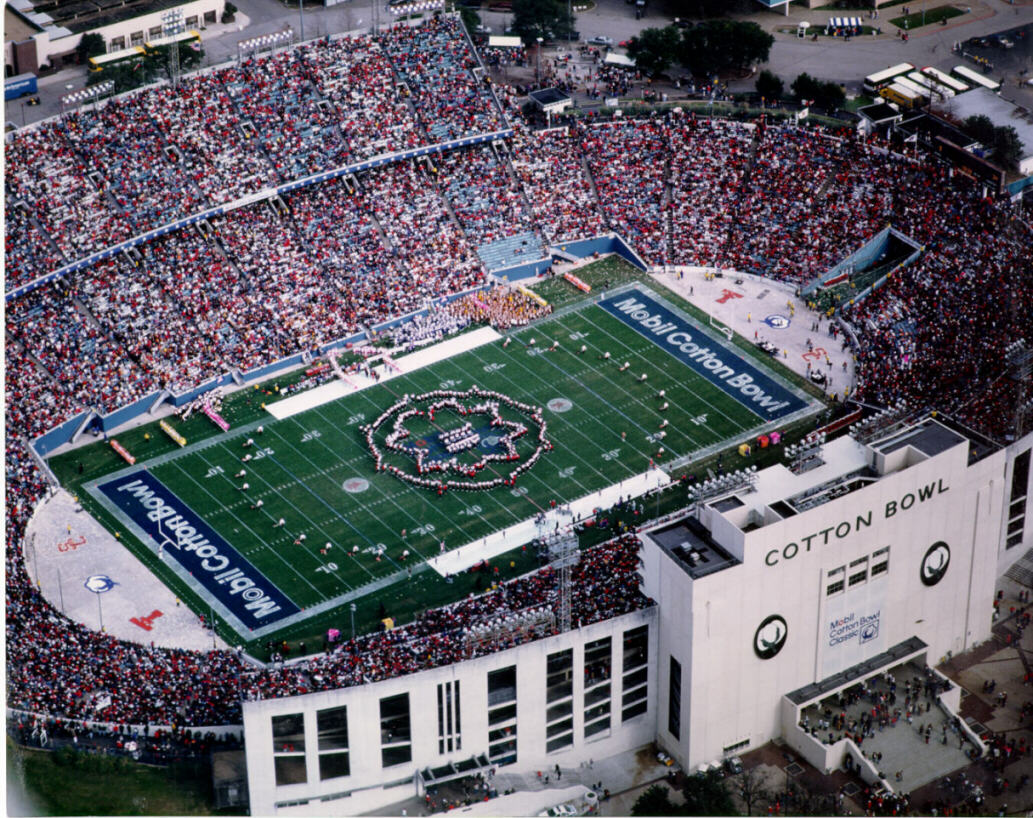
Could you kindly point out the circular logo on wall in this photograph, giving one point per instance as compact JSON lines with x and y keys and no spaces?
{"x":777,"y":322}
{"x":934,"y":563}
{"x":99,"y":583}
{"x":770,"y":637}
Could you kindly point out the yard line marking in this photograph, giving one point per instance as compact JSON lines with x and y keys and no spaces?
{"x":216,"y":499}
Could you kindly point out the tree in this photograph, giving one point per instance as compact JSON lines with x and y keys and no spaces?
{"x":981,"y":129}
{"x":90,"y":45}
{"x":656,"y":801}
{"x":827,"y":95}
{"x":706,"y":795}
{"x":1007,"y":147}
{"x":805,"y":87}
{"x":541,"y":18}
{"x":654,"y":49}
{"x":471,"y":19}
{"x":769,"y":85}
{"x":701,"y":9}
{"x":752,"y":790}
{"x":722,"y":45}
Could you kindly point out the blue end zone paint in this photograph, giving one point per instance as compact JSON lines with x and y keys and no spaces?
{"x":718,"y":364}
{"x":212,"y":561}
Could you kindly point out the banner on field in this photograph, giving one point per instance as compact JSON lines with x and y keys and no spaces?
{"x":708,"y":357}
{"x":176,"y":436}
{"x":118,"y":447}
{"x":577,"y":282}
{"x":532,"y":295}
{"x":211,"y":561}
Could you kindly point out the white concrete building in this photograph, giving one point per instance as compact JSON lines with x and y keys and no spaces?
{"x":768,"y":597}
{"x":38,"y":33}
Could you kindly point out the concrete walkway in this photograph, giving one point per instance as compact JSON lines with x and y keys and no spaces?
{"x":90,"y":576}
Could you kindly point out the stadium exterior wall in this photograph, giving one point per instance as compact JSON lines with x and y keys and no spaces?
{"x":370,"y":785}
{"x":711,"y":625}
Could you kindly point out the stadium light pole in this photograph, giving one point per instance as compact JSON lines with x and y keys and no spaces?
{"x":352,"y":608}
{"x":301,"y":14}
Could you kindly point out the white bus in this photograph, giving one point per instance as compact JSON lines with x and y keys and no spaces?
{"x":913,"y":87}
{"x":976,"y":78}
{"x":931,"y":85}
{"x":945,"y":79}
{"x":880,"y":79}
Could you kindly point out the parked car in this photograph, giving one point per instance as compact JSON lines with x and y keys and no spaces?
{"x":768,"y":347}
{"x":733,"y":765}
{"x":600,"y":40}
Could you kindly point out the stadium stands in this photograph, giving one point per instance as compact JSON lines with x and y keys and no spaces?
{"x":276,"y":278}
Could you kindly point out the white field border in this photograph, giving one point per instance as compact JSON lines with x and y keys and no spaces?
{"x":459,"y":559}
{"x":329,"y":392}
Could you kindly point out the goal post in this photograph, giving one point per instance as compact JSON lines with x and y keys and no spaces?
{"x":722,"y":328}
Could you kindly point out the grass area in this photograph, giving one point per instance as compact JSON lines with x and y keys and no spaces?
{"x":853,"y":5}
{"x":918,"y":19}
{"x":310,"y":457}
{"x":858,"y":102}
{"x":64,"y":783}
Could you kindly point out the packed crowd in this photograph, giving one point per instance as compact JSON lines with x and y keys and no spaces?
{"x":436,"y":62}
{"x":628,"y":161}
{"x":499,"y":306}
{"x":548,"y":165}
{"x":605,"y":584}
{"x":165,"y":152}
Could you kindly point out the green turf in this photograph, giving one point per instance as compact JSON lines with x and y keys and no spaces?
{"x":315,"y":452}
{"x":917,"y":19}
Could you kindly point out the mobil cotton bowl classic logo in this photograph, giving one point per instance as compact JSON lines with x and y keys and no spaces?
{"x":198,"y":549}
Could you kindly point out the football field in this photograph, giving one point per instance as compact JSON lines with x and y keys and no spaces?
{"x":318,"y":526}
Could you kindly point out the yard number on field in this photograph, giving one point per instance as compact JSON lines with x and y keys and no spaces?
{"x":326,"y":569}
{"x":214,"y":470}
{"x":310,"y":435}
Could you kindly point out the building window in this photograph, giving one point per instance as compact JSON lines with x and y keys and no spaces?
{"x":880,"y":561}
{"x":836,"y":581}
{"x":674,"y":700}
{"x":332,"y":736}
{"x":154,"y":32}
{"x":559,"y":679}
{"x":858,"y":571}
{"x":598,"y":668}
{"x":289,"y":749}
{"x":190,"y":22}
{"x":559,"y":694}
{"x":1017,"y":503}
{"x":395,"y":730}
{"x":502,"y":716}
{"x":502,"y":686}
{"x":449,"y":738}
{"x":117,"y":43}
{"x":209,"y":18}
{"x":636,"y":671}
{"x":136,"y":38}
